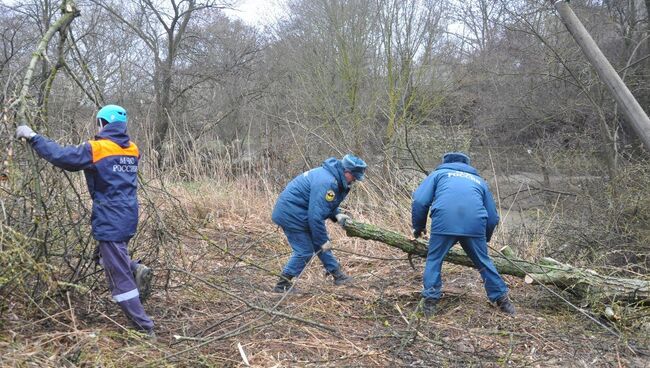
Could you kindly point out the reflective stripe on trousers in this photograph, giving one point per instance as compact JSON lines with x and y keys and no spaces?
{"x":119,"y":273}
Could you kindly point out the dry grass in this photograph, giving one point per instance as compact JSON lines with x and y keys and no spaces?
{"x":213,"y":295}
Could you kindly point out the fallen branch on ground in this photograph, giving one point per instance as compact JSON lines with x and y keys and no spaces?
{"x":585,"y":283}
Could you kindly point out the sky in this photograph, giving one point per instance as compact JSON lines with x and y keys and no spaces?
{"x":255,"y":12}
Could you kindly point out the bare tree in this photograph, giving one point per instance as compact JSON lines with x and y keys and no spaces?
{"x":161,"y":26}
{"x":408,"y":32}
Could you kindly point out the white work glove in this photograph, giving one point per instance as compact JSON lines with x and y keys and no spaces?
{"x":327,"y":246}
{"x":341,"y":219}
{"x":24,"y":131}
{"x":417,"y":234}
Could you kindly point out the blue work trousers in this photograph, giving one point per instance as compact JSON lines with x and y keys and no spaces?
{"x":476,"y":249}
{"x":303,"y":249}
{"x":119,"y":270}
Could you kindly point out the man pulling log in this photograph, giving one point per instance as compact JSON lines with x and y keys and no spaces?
{"x":462,"y":210}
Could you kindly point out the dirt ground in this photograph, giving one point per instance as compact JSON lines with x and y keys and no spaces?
{"x":213,"y":307}
{"x":220,"y":310}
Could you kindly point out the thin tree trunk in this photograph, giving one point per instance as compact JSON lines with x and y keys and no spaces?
{"x":161,"y":125}
{"x":70,"y":11}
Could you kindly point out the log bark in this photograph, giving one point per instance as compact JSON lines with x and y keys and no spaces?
{"x":584,"y":283}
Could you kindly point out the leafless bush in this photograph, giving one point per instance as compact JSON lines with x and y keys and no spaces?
{"x":608,"y":226}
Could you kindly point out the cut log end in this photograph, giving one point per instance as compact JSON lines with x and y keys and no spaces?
{"x":529,"y":280}
{"x":507,"y":252}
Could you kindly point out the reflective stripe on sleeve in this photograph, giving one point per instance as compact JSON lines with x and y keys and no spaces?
{"x":126,"y":296}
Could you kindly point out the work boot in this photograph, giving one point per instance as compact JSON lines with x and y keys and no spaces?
{"x":143,"y":275}
{"x":339,"y":277}
{"x":505,"y":305}
{"x":284,"y":284}
{"x":429,"y":307}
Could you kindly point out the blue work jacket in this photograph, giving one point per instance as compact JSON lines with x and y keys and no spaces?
{"x":458,"y":200}
{"x":311,"y":198}
{"x":110,"y":165}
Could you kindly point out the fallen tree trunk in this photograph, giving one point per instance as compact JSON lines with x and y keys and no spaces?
{"x":584,"y":283}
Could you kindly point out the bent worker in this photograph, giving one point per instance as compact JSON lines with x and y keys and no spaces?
{"x":462,"y":210}
{"x":110,"y":165}
{"x":301,"y":211}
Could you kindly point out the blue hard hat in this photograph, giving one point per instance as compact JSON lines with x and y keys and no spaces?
{"x":354,"y":165}
{"x":112,"y":114}
{"x":450,"y":157}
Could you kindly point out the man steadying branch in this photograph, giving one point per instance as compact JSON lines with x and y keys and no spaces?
{"x":462,"y":210}
{"x":110,"y":165}
{"x":301,"y":211}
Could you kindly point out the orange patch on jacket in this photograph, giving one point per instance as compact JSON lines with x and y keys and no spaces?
{"x":105,"y":148}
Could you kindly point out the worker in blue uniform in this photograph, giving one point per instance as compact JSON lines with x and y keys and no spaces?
{"x":110,"y":165}
{"x":302,"y":209}
{"x":462,"y":210}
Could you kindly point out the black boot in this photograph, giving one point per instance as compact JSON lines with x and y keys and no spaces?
{"x":142,"y":276}
{"x":505,"y":305}
{"x":284,"y":284}
{"x":429,"y":307}
{"x":339,"y":277}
